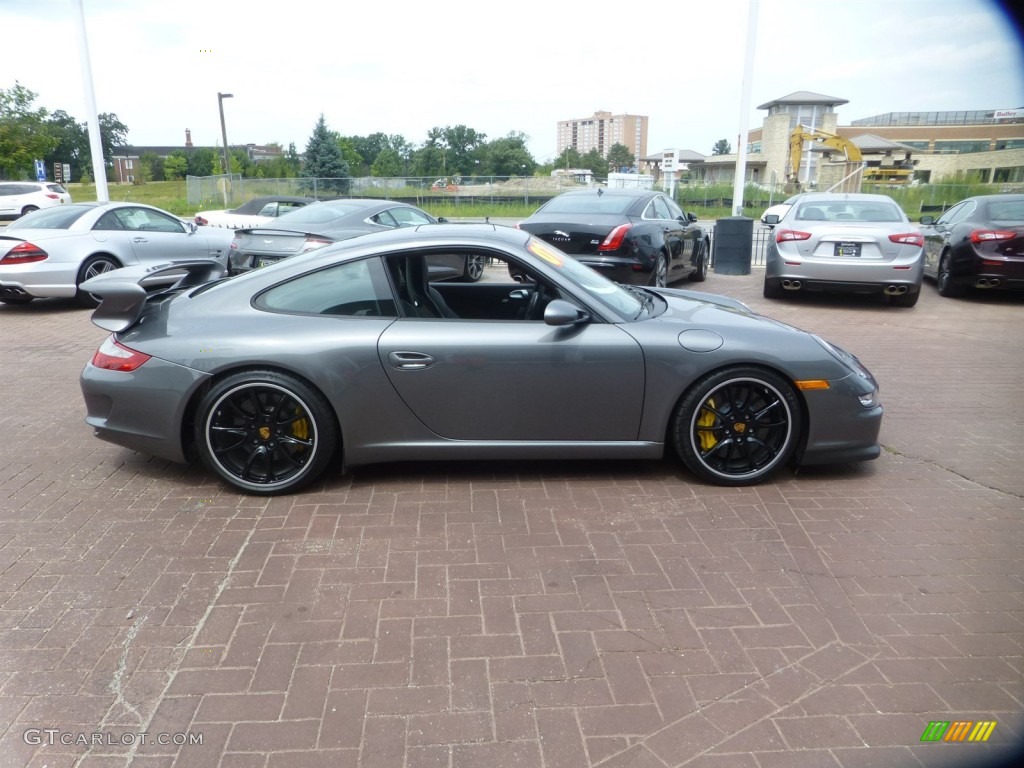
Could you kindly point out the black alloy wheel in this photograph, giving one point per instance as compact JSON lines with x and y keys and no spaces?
{"x":659,"y":275}
{"x":265,"y":432}
{"x":92,"y":267}
{"x":701,"y":273}
{"x":944,"y":280}
{"x":737,"y":426}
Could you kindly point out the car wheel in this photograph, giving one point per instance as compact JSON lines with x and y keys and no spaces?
{"x":265,"y":432}
{"x":907,"y":299}
{"x":944,"y":280}
{"x":97,"y":265}
{"x":29,"y":209}
{"x":475,"y":265}
{"x":701,"y":274}
{"x":659,"y":275}
{"x":772,"y":289}
{"x":737,"y":426}
{"x":16,"y":300}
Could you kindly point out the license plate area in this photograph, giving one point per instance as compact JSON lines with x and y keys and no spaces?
{"x":847,"y":250}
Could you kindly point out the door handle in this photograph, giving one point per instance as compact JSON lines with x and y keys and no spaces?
{"x":410,"y":361}
{"x":139,"y":240}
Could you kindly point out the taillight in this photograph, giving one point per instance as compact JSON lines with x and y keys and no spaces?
{"x":790,"y":234}
{"x":313,"y":243}
{"x":988,"y":235}
{"x":234,"y":245}
{"x":908,"y":238}
{"x":52,"y":196}
{"x":113,"y":356}
{"x":201,"y":221}
{"x":614,"y":240}
{"x":24,"y":253}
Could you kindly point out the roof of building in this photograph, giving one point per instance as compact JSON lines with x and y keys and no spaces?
{"x":682,"y":155}
{"x":805,"y":97}
{"x":869,"y":142}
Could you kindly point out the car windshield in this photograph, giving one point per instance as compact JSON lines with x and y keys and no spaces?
{"x":317,"y":214}
{"x":626,"y":305}
{"x":59,"y":217}
{"x":1006,"y":211}
{"x":589,"y":203}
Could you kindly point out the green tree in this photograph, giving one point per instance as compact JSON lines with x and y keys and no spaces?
{"x":356,"y":165}
{"x":72,"y":144}
{"x":387,"y":164}
{"x":155,"y":163}
{"x":323,"y":160}
{"x":596,"y":162}
{"x":176,"y":165}
{"x":620,"y":157}
{"x":24,"y":133}
{"x":569,"y":158}
{"x":722,"y":147}
{"x":201,"y":162}
{"x":507,"y":156}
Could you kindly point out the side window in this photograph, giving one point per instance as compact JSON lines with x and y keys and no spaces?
{"x":649,"y":211}
{"x":953,"y":214}
{"x":354,"y":289}
{"x":8,"y":189}
{"x":145,"y":220}
{"x":674,"y":211}
{"x":108,"y":221}
{"x":385,"y":219}
{"x":270,"y":209}
{"x":661,"y":208}
{"x":409,"y":217}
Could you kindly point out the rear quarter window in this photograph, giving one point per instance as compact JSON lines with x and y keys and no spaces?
{"x":355,"y":289}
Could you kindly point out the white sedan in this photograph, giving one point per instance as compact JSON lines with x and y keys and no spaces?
{"x":257,"y":211}
{"x":52,"y":251}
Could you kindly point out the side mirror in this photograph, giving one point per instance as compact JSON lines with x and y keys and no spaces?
{"x":691,"y":217}
{"x":442,"y":220}
{"x":559,"y":312}
{"x":771,"y":219}
{"x":927,"y":219}
{"x":191,"y":227}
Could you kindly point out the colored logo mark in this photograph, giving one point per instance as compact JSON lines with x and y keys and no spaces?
{"x":958,"y":730}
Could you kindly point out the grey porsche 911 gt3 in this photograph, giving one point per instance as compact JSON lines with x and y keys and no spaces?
{"x":352,"y":354}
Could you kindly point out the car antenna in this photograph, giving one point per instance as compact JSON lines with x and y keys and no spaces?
{"x":600,"y":191}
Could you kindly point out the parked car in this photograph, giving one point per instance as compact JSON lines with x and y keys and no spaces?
{"x":323,"y":223}
{"x":978,"y":243}
{"x":20,"y":197}
{"x":845,"y":242}
{"x":779,"y":210}
{"x":52,"y":252}
{"x":635,"y":236}
{"x":351,"y":352}
{"x":255,"y":212}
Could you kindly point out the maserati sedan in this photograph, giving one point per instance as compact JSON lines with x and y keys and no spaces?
{"x":350,"y":355}
{"x":635,"y":236}
{"x":978,"y":243}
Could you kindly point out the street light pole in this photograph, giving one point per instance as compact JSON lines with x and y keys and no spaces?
{"x":224,"y":137}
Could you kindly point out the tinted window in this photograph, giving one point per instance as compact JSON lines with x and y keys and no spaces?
{"x":589,"y":204}
{"x":57,"y":188}
{"x":409,"y":217}
{"x":354,"y":289}
{"x":145,"y":220}
{"x":385,"y":219}
{"x":674,"y":211}
{"x":9,"y":189}
{"x":1008,"y":211}
{"x":60,"y":217}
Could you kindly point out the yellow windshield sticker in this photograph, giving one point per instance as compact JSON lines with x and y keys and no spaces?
{"x":541,"y":250}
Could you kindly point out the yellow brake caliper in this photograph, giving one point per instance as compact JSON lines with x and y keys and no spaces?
{"x":704,"y":427}
{"x":300,"y":427}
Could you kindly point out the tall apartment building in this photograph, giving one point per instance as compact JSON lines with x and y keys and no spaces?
{"x":601,"y":130}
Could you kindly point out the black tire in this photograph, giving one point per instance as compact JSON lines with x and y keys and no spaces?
{"x":16,"y":301}
{"x":96,"y":265}
{"x":737,"y":426}
{"x":29,"y":209}
{"x":703,"y":260}
{"x":659,"y":274}
{"x":907,"y":299}
{"x":772,"y":289}
{"x":944,"y":280}
{"x":474,"y":270}
{"x":265,"y":432}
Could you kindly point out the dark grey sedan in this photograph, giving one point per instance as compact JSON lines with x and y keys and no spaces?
{"x":320,"y":224}
{"x":352,"y":354}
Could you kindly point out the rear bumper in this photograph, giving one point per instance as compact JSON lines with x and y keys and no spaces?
{"x":619,"y":270}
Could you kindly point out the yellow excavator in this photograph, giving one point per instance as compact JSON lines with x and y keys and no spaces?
{"x":802,"y":133}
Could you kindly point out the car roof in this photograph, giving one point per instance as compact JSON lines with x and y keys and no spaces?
{"x":362,"y":202}
{"x":810,"y":197}
{"x":614,"y":191}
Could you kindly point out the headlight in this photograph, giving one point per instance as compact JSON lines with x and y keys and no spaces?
{"x":842,"y":355}
{"x":871,"y":399}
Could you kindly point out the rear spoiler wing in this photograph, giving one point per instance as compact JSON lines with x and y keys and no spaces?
{"x":123,"y":293}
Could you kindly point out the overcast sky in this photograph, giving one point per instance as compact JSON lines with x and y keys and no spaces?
{"x":405,"y":66}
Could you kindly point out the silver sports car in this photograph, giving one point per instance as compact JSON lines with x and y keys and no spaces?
{"x":51,"y":252}
{"x":351,"y":353}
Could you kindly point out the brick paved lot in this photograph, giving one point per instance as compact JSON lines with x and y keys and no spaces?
{"x":583,"y":614}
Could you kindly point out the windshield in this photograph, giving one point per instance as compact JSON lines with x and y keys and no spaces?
{"x":58,"y":217}
{"x":589,"y":203}
{"x":316,"y":214}
{"x":626,"y":305}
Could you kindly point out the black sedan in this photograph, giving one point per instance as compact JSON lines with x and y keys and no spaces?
{"x":978,"y":243}
{"x":633,"y":236}
{"x":320,"y":224}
